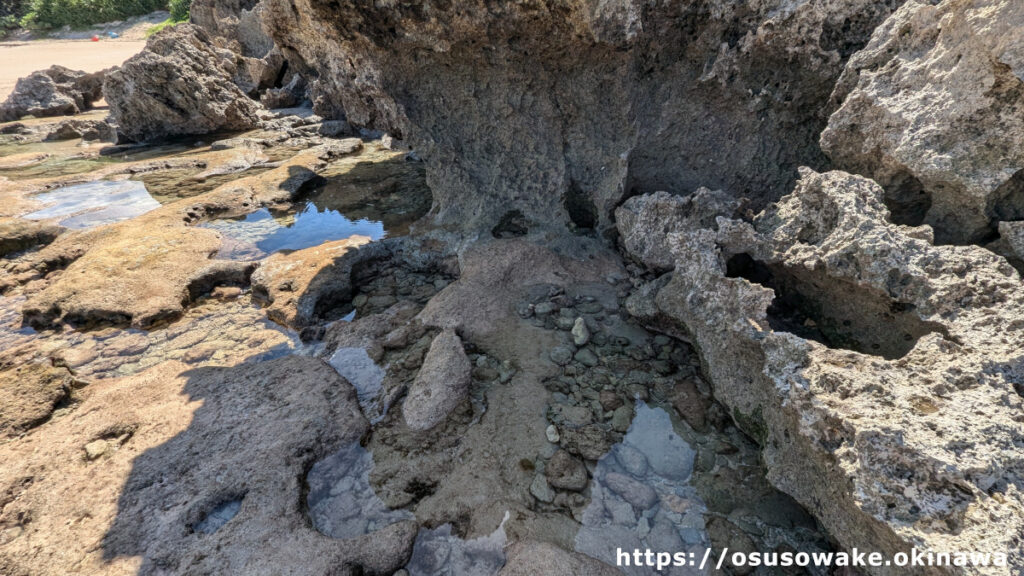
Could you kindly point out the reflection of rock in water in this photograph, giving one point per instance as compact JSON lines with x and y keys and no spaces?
{"x":342,"y":504}
{"x":640,"y":496}
{"x":437,"y":552}
{"x":356,"y":366}
{"x":94,"y":204}
{"x":260,"y":234}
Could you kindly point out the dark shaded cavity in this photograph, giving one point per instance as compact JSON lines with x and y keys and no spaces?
{"x":908,"y":201}
{"x":512,"y":225}
{"x":834,"y":312}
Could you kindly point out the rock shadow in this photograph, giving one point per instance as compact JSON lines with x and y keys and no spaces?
{"x":834,"y":312}
{"x":226,"y":495}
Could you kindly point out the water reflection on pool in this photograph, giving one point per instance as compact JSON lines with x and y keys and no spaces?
{"x":261,"y":233}
{"x":94,"y":203}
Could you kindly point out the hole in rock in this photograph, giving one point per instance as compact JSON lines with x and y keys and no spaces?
{"x":834,"y":312}
{"x":1009,"y":203}
{"x":907,"y":201}
{"x":512,"y":225}
{"x":582,"y":211}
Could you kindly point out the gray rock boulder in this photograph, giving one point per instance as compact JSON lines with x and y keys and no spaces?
{"x":931,"y":109}
{"x":441,"y":384}
{"x":182,"y":83}
{"x":56,"y":91}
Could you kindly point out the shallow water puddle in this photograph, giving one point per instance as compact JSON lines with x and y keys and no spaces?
{"x":261,"y":233}
{"x":641,"y":497}
{"x":356,"y":366}
{"x":218,"y":517}
{"x":437,"y":551}
{"x":342,"y":504}
{"x":94,"y":203}
{"x":376,"y":194}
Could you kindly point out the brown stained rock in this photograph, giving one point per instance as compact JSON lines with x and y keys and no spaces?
{"x":29,"y":394}
{"x":296,"y":284}
{"x":853,"y":349}
{"x":180,"y":443}
{"x":441,"y":385}
{"x":931,"y":109}
{"x":17,"y":234}
{"x":147,"y":269}
{"x":690,"y":404}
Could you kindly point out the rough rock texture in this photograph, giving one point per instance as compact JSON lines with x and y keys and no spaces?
{"x":84,"y":129}
{"x":883,"y":376}
{"x":441,"y":385}
{"x":542,"y":559}
{"x":297,"y":285}
{"x":29,"y":394}
{"x":56,"y":91}
{"x":559,"y":109}
{"x":17,"y":234}
{"x":182,"y":83}
{"x":933,"y":109}
{"x":115,"y":274}
{"x":132,"y":492}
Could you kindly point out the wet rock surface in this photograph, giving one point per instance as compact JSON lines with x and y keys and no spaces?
{"x":607,"y":311}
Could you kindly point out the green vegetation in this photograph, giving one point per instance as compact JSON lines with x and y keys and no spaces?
{"x":179,"y":9}
{"x":158,"y":27}
{"x":81,"y":13}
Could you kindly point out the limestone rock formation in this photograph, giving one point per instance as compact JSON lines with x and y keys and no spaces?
{"x":196,"y":472}
{"x":56,"y":91}
{"x":17,"y":234}
{"x":881,"y":375}
{"x":538,"y":558}
{"x":182,"y":83}
{"x":297,"y":285}
{"x":29,"y":394}
{"x":932,"y":110}
{"x":560,"y":109}
{"x":441,"y":385}
{"x":116,"y":275}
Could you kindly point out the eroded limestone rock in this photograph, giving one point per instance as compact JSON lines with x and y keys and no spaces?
{"x":56,"y":91}
{"x":931,"y":109}
{"x":29,"y":394}
{"x":115,"y":274}
{"x":880,"y":374}
{"x":182,"y":83}
{"x":297,"y":285}
{"x":555,"y":111}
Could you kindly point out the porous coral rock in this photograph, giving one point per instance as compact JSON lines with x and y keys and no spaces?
{"x":882,"y":376}
{"x":933,"y":109}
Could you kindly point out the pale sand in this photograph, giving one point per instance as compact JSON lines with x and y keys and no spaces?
{"x":19,"y":59}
